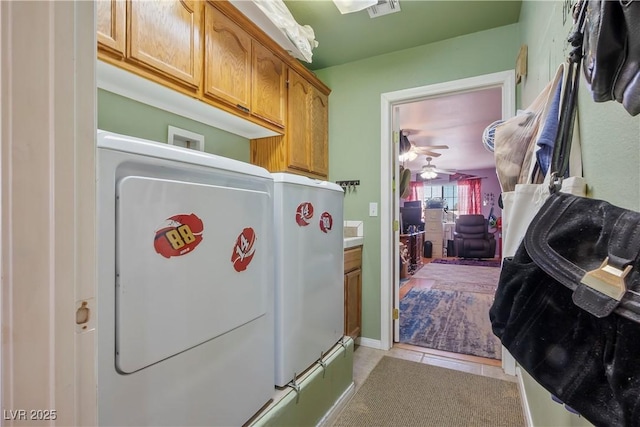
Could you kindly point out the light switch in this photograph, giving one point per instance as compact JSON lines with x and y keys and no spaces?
{"x":373,"y":209}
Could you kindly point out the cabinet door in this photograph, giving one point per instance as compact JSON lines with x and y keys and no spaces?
{"x":297,"y":112}
{"x":165,"y":36}
{"x":227,"y":62}
{"x":268,"y":85}
{"x":319,"y":138}
{"x":352,"y":303}
{"x":111,"y":25}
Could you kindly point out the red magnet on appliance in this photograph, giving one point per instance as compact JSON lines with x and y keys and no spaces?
{"x":304,"y":213}
{"x":244,"y":249}
{"x":179,"y":235}
{"x":326,"y":222}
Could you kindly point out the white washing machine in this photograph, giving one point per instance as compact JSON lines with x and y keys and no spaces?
{"x":309,"y":295}
{"x":185,"y":289}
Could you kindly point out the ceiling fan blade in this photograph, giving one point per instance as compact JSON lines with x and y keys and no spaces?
{"x":435,"y":147}
{"x":426,"y":152}
{"x":461,"y":176}
{"x":446,"y":172}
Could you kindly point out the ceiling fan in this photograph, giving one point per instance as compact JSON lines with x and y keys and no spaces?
{"x":409,"y":151}
{"x":430,"y":171}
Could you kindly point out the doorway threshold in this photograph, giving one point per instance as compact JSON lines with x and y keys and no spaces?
{"x":448,"y":355}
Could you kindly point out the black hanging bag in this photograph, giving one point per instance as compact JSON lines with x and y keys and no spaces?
{"x":567,"y":305}
{"x":612,"y":51}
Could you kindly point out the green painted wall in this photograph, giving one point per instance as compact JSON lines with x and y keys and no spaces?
{"x":354,"y":125}
{"x":128,"y":117}
{"x":610,"y":140}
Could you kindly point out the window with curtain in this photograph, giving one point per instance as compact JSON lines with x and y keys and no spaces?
{"x":416,"y":192}
{"x":469,"y":196}
{"x":448,"y":193}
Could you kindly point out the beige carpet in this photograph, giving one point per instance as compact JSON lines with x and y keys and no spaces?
{"x":401,"y":393}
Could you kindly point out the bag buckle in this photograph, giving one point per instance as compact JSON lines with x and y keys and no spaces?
{"x":607,"y":280}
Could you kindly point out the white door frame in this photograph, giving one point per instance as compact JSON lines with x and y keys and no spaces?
{"x":503,"y":79}
{"x":48,"y":210}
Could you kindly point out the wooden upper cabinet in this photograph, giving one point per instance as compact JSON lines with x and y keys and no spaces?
{"x":111,"y":25}
{"x":318,"y":128}
{"x":227,"y":60}
{"x":268,"y":85}
{"x":165,"y":36}
{"x":307,"y":127}
{"x":210,"y":51}
{"x":297,"y":133}
{"x":240,"y":71}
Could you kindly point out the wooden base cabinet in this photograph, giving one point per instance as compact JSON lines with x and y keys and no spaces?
{"x":353,"y":291}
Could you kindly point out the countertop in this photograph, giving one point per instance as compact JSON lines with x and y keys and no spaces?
{"x":353,"y":234}
{"x":350,"y":242}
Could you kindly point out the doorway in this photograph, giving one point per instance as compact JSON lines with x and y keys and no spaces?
{"x":389,"y":211}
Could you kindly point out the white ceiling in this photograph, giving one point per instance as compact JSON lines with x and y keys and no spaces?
{"x":456,"y":120}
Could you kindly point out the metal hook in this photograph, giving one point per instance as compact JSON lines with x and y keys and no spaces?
{"x":343,"y":343}
{"x":295,"y":386}
{"x":323,"y":364}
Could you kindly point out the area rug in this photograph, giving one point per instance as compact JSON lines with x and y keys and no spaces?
{"x":403,"y":393}
{"x":458,"y":273}
{"x":449,"y":320}
{"x":463,"y":261}
{"x":481,"y":288}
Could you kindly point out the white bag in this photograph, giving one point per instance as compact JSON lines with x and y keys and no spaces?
{"x":522,"y":204}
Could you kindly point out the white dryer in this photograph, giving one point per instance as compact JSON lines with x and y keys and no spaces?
{"x":185,"y":288}
{"x":309,"y":295}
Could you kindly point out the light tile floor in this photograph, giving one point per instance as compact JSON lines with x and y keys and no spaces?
{"x":366,"y":358}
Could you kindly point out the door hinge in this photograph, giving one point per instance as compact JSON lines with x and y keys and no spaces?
{"x":396,"y":314}
{"x":393,"y":185}
{"x":396,"y":137}
{"x":396,"y":225}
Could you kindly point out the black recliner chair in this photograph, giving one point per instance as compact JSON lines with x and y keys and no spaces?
{"x":472,"y":238}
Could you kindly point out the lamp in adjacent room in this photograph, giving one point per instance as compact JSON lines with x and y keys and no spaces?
{"x":408,"y":156}
{"x":349,"y":6}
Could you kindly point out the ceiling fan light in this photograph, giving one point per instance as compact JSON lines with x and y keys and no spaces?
{"x":408,"y":156}
{"x":428,"y":174}
{"x":349,"y":6}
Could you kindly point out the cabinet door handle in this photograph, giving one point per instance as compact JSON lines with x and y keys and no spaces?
{"x":243,"y":108}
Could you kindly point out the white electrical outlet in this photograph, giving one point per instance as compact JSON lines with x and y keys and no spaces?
{"x":373,"y":209}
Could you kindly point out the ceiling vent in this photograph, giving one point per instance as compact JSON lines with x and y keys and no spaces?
{"x":384,"y":7}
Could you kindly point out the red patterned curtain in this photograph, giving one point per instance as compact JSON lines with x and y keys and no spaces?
{"x":469,"y":196}
{"x":416,"y":192}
